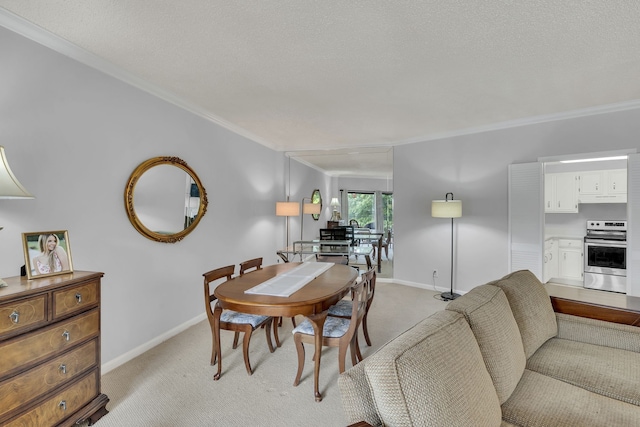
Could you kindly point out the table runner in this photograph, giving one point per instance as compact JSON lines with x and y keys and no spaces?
{"x":285,"y":284}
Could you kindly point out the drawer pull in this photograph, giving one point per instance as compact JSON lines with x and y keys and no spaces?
{"x":63,"y":405}
{"x":63,"y":368}
{"x":66,"y":335}
{"x":79,"y":298}
{"x":15,"y":316}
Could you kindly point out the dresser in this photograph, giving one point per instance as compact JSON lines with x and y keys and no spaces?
{"x":50,"y":351}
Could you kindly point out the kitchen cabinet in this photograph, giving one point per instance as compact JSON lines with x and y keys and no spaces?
{"x":560,"y":193}
{"x":570,"y":260}
{"x":550,"y":267}
{"x":605,"y":186}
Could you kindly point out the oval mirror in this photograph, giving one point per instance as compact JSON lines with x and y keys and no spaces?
{"x":165,"y":199}
{"x":316,"y":198}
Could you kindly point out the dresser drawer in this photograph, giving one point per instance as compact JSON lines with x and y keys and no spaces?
{"x":38,"y":345}
{"x":61,"y":405}
{"x":38,"y":381}
{"x":72,"y":300}
{"x":22,"y":314}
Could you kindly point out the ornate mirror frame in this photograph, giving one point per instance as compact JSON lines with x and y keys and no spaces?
{"x":316,"y":197}
{"x":129,"y":199}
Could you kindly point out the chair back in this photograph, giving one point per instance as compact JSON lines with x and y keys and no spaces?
{"x":369,"y":277}
{"x":358,"y":305}
{"x":212,"y":276}
{"x":250,"y":265}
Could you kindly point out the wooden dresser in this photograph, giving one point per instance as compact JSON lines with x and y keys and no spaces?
{"x":50,"y":351}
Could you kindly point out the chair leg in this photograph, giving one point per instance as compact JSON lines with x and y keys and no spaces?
{"x":366,"y":330}
{"x":214,"y":355}
{"x":235,"y":340}
{"x":245,"y":349}
{"x":358,"y":354}
{"x":293,"y":321}
{"x":300,"y":350}
{"x":267,"y":329}
{"x":342,"y":355}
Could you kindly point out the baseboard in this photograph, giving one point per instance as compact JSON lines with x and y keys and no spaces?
{"x":420,"y":285}
{"x":121,"y":360}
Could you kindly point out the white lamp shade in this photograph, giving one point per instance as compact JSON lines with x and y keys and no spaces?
{"x":311,"y":208}
{"x":446,"y":208}
{"x":10,"y":188}
{"x":287,"y":208}
{"x":334,"y":202}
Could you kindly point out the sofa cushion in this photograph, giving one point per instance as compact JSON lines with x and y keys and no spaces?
{"x":434,"y":371}
{"x":607,"y":371}
{"x":531,"y":307}
{"x":487,"y":311}
{"x":540,"y":400}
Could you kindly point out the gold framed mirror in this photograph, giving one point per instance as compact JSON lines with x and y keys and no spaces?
{"x":316,"y":197}
{"x":164,"y":199}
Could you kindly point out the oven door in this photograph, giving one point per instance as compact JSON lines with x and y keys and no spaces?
{"x":605,"y":257}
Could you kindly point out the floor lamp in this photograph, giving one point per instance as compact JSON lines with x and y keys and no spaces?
{"x":287,"y":209}
{"x":447,"y":208}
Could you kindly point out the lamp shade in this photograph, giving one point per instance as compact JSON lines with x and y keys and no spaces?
{"x":287,"y":208}
{"x":10,"y":188}
{"x":446,"y":208}
{"x":311,"y":208}
{"x":334,"y":202}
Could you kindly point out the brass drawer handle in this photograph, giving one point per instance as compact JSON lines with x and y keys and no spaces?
{"x":63,"y":405}
{"x":79,"y":298}
{"x":66,"y":335}
{"x":63,"y":368}
{"x":15,"y":316}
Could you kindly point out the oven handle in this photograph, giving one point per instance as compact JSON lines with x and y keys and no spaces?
{"x":610,"y":243}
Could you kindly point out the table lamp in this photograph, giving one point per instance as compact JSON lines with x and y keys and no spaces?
{"x":335,"y":204}
{"x":10,"y":187}
{"x":447,"y":208}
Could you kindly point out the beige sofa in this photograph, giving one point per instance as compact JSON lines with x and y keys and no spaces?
{"x":500,"y":356}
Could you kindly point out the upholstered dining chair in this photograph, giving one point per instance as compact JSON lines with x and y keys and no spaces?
{"x":337,"y":332}
{"x":344,"y":307}
{"x":231,"y":320}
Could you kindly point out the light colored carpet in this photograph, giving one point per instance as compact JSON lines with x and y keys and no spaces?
{"x":171,"y":384}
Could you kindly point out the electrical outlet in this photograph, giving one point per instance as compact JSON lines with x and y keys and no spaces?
{"x":435,"y":274}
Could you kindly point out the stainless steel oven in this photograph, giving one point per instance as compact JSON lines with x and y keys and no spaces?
{"x":605,"y":255}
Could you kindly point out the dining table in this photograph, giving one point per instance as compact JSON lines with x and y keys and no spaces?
{"x":311,"y":300}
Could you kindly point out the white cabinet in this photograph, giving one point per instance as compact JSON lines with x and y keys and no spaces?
{"x":606,"y":186}
{"x":570,"y":264}
{"x":550,"y":267}
{"x":560,"y":193}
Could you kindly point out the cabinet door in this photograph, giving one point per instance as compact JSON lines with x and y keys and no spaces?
{"x":617,"y":181}
{"x":549,"y":192}
{"x":570,"y":264}
{"x":591,"y":183}
{"x":566,"y":200}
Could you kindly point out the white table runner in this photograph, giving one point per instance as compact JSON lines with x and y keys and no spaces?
{"x":285,"y":284}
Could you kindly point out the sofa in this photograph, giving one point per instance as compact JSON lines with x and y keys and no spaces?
{"x":500,"y":356}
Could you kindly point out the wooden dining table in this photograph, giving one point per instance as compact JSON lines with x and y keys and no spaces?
{"x":312,"y":301}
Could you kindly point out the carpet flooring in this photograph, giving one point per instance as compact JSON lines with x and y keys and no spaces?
{"x":171,"y":384}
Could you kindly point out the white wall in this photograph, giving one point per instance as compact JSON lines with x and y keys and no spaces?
{"x":73,"y":136}
{"x":474,"y":168}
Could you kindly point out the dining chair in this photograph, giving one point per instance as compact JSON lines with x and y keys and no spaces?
{"x":344,"y":307}
{"x":337,"y":332}
{"x":232,"y":320}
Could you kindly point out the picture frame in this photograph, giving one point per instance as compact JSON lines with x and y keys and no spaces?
{"x":46,"y":253}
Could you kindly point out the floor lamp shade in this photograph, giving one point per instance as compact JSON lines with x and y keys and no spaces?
{"x":446,"y":208}
{"x":10,"y":187}
{"x":311,"y":209}
{"x":287,"y":208}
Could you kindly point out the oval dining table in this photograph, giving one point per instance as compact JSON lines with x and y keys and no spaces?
{"x":312,"y":301}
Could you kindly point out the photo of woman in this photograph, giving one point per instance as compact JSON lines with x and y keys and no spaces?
{"x":47,"y":253}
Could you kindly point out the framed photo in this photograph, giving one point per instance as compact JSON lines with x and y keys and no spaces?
{"x":46,"y":253}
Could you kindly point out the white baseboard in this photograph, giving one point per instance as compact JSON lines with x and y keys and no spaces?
{"x":121,"y":360}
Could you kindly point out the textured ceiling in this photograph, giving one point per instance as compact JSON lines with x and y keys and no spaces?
{"x":318,"y":75}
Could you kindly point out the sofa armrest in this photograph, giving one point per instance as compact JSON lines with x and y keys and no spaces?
{"x":598,"y":332}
